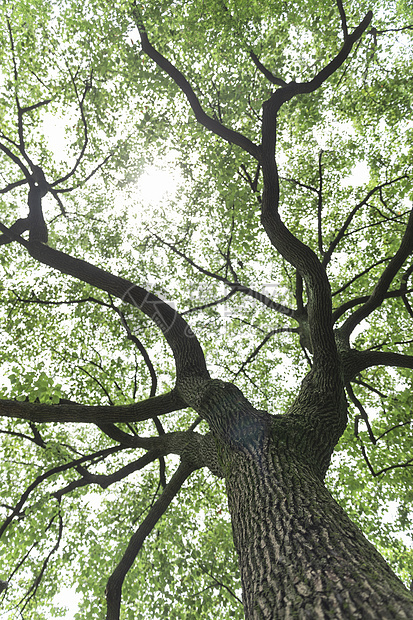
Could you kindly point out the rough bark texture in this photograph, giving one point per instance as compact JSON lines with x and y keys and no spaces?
{"x":300,"y":555}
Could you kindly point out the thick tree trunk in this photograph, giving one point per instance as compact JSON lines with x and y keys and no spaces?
{"x":300,"y":555}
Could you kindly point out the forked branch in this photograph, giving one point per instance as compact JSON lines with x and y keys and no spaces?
{"x":50,"y":473}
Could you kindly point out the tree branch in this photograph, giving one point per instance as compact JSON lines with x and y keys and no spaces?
{"x":235,"y":286}
{"x":81,"y":101}
{"x":114,"y":586}
{"x":265,"y":71}
{"x":142,"y":350}
{"x":93,"y":414}
{"x":16,"y":160}
{"x":356,"y":361}
{"x":211,"y":304}
{"x":291,"y":248}
{"x":209,"y":123}
{"x":12,"y":186}
{"x":380,"y":290}
{"x":187,"y":352}
{"x":343,"y":19}
{"x":320,"y":204}
{"x":51,"y":472}
{"x":273,"y":332}
{"x":104,"y":481}
{"x":341,"y":233}
{"x":362,"y":273}
{"x":356,"y":301}
{"x":31,"y":593}
{"x":363,"y":415}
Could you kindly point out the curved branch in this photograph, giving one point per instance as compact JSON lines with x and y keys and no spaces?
{"x":324,"y":74}
{"x":235,"y":286}
{"x":318,"y":287}
{"x":80,"y":183}
{"x":188,"y":354}
{"x":284,"y":94}
{"x":343,"y":19}
{"x":16,"y":160}
{"x":356,"y":361}
{"x":142,"y":350}
{"x":272,"y":78}
{"x":115,"y":581}
{"x":363,"y":415}
{"x":209,"y":123}
{"x":211,"y":304}
{"x":356,"y":301}
{"x":291,"y":248}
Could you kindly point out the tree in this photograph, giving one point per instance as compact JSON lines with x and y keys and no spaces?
{"x":290,"y":281}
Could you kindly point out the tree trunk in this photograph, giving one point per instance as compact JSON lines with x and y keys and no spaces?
{"x":300,"y":555}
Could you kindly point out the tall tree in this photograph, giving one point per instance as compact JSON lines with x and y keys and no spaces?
{"x":201,"y":355}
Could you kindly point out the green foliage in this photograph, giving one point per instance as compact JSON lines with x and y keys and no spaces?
{"x":64,"y":339}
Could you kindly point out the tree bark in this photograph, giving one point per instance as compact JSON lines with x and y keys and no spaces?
{"x":300,"y":555}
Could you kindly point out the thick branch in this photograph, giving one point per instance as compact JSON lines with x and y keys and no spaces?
{"x":189,"y":357}
{"x":318,"y":287}
{"x":284,"y":94}
{"x":92,"y":414}
{"x":356,"y":361}
{"x":20,"y":226}
{"x":293,"y":250}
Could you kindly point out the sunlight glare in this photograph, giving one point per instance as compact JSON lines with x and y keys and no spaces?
{"x":156,"y":185}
